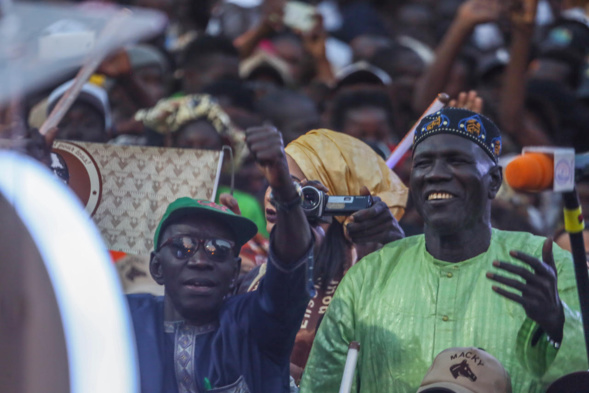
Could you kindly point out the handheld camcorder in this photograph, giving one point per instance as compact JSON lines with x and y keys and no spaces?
{"x":317,"y":204}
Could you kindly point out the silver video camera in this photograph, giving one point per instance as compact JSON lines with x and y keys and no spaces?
{"x":317,"y":204}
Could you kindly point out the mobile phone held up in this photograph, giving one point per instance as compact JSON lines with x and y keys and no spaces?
{"x":299,"y":15}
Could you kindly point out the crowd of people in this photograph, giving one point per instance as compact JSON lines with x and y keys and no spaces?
{"x":448,"y":278}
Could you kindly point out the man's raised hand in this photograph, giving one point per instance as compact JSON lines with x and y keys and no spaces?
{"x":475,"y":12}
{"x":537,"y":289}
{"x":265,"y":144}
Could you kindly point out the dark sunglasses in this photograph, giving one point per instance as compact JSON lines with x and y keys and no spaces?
{"x":185,"y":246}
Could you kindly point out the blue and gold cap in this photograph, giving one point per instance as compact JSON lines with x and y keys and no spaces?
{"x":462,"y":122}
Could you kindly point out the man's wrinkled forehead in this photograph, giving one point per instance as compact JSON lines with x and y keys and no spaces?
{"x":449,"y":144}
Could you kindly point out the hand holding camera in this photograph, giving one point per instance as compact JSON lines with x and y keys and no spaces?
{"x":317,"y":204}
{"x":375,"y":224}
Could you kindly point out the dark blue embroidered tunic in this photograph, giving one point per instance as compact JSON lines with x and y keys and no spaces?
{"x":247,"y":351}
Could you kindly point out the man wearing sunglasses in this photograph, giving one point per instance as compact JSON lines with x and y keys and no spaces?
{"x":199,"y":338}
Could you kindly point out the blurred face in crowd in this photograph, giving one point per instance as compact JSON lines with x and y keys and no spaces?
{"x":292,"y":52}
{"x":153,"y":82}
{"x":453,"y":182}
{"x":416,"y":21}
{"x":199,"y":134}
{"x":408,"y":68}
{"x":251,"y":180}
{"x":365,"y":46}
{"x":123,"y":107}
{"x":294,"y":117}
{"x":370,"y":124}
{"x":82,"y":123}
{"x":194,"y":285}
{"x":550,"y":69}
{"x":216,"y":67}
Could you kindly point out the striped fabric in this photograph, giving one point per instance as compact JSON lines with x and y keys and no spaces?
{"x":405,"y":307}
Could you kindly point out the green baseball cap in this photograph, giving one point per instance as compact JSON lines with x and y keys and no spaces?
{"x":243,"y":228}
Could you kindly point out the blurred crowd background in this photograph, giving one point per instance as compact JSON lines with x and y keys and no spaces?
{"x":367,"y":68}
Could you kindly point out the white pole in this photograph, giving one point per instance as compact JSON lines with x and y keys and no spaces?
{"x":405,"y":144}
{"x":350,"y":367}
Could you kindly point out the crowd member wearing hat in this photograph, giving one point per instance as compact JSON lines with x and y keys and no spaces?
{"x":197,"y":121}
{"x":88,"y":119}
{"x":194,"y":121}
{"x":197,"y":337}
{"x":339,"y":165}
{"x":419,"y":295}
{"x":465,"y":370}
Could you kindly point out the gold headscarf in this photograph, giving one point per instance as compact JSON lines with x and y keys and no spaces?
{"x":344,"y":164}
{"x":170,"y":114}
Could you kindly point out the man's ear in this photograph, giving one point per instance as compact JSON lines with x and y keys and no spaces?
{"x":496,"y":173}
{"x":155,"y":268}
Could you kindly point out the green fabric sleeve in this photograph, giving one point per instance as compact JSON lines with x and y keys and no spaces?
{"x":543,"y":360}
{"x":325,"y":367}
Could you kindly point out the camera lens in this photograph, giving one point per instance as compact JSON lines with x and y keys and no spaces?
{"x":310,"y":198}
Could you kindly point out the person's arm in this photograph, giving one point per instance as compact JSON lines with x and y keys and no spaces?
{"x":433,"y":81}
{"x":513,"y":90}
{"x":540,"y":357}
{"x":291,"y":234}
{"x":314,"y":43}
{"x":270,"y":21}
{"x":283,"y":293}
{"x":551,"y":309}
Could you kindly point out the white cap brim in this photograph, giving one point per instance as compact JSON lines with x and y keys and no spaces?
{"x":246,"y":3}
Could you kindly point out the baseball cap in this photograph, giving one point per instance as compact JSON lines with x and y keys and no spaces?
{"x":243,"y":228}
{"x":466,"y":370}
{"x":567,"y":40}
{"x":91,"y":94}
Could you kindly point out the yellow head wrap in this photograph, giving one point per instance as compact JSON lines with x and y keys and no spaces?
{"x":344,"y":164}
{"x":170,"y":114}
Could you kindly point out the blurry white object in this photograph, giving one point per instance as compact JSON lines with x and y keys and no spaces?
{"x":95,"y":318}
{"x":544,"y":13}
{"x":487,"y":36}
{"x":299,"y":15}
{"x":30,"y":31}
{"x":63,"y":45}
{"x":66,"y":38}
{"x":338,"y":53}
{"x":245,"y":3}
{"x":332,"y":18}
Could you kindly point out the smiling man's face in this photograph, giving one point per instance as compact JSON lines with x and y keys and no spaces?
{"x":451,"y":183}
{"x":195,"y":285}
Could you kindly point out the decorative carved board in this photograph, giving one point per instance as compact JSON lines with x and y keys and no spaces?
{"x":126,"y":189}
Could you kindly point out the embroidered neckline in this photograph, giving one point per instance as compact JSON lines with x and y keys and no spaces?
{"x":172,"y":326}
